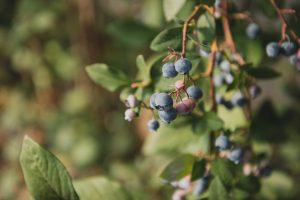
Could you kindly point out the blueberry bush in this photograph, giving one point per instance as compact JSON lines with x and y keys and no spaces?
{"x":215,"y":129}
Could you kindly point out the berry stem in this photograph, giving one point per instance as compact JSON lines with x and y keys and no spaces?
{"x":186,"y":24}
{"x":284,"y":24}
{"x":228,"y":36}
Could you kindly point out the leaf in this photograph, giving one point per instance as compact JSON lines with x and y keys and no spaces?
{"x":198,"y":169}
{"x":224,"y":169}
{"x":110,"y":79}
{"x":206,"y":29}
{"x":144,"y":69}
{"x":217,"y":190}
{"x":172,"y":7}
{"x":250,"y":184}
{"x":97,"y":188}
{"x":167,"y":38}
{"x":261,"y":72}
{"x":45,"y":176}
{"x":267,"y":126}
{"x":209,"y":122}
{"x":178,"y":168}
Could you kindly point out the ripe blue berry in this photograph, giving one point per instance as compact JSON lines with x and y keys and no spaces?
{"x":194,"y":92}
{"x":201,"y":185}
{"x":183,"y":65}
{"x":219,"y":57}
{"x":219,"y":79}
{"x":254,"y":91}
{"x":252,"y":30}
{"x":239,"y":100}
{"x":293,"y":59}
{"x":163,"y":101}
{"x":236,"y":155}
{"x":228,"y":77}
{"x":167,"y":116}
{"x":227,"y":104}
{"x":153,"y":125}
{"x":222,"y":143}
{"x":273,"y":49}
{"x":225,"y":65}
{"x":168,"y":70}
{"x":218,"y":4}
{"x":288,"y":48}
{"x":152,"y":100}
{"x":265,"y":171}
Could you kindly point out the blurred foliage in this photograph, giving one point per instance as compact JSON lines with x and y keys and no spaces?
{"x":46,"y":94}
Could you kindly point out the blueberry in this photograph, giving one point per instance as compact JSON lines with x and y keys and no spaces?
{"x":288,"y":48}
{"x":273,"y":49}
{"x":167,"y":116}
{"x":227,"y":104}
{"x":153,"y":125}
{"x":185,"y":106}
{"x":200,"y":186}
{"x":265,"y":171}
{"x":254,"y":91}
{"x":194,"y":92}
{"x":236,"y":155}
{"x":225,"y":65}
{"x":252,"y":30}
{"x":218,"y":4}
{"x":222,"y":143}
{"x":219,"y":79}
{"x":228,"y":77}
{"x":131,"y":101}
{"x":293,"y":59}
{"x":183,"y":65}
{"x":163,"y":101}
{"x":239,"y":100}
{"x":152,"y":100}
{"x":218,"y":58}
{"x":168,"y":70}
{"x":129,"y":114}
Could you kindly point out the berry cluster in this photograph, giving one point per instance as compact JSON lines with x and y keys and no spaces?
{"x":167,"y":108}
{"x":286,"y":48}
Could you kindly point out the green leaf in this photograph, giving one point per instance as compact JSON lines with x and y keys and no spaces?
{"x":97,"y":188}
{"x":209,"y":122}
{"x":172,"y":7}
{"x":178,"y":168}
{"x":198,"y":169}
{"x":261,"y":72}
{"x":110,"y":79}
{"x":45,"y":176}
{"x":224,"y":169}
{"x":217,"y":190}
{"x":167,"y":38}
{"x":250,"y":184}
{"x":206,"y":28}
{"x":144,"y":69}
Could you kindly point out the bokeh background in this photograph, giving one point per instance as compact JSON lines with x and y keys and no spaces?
{"x":46,"y":94}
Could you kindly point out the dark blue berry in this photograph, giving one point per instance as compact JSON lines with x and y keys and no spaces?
{"x":273,"y":50}
{"x":288,"y":48}
{"x":183,"y":65}
{"x":236,"y":155}
{"x":265,"y":171}
{"x":222,"y":143}
{"x":163,"y":101}
{"x":252,"y":30}
{"x":153,"y":125}
{"x":194,"y":92}
{"x":167,"y":116}
{"x":168,"y":70}
{"x":254,"y":91}
{"x":294,"y":59}
{"x":239,"y":100}
{"x":200,"y":185}
{"x":225,"y":65}
{"x":218,"y":58}
{"x":152,"y":101}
